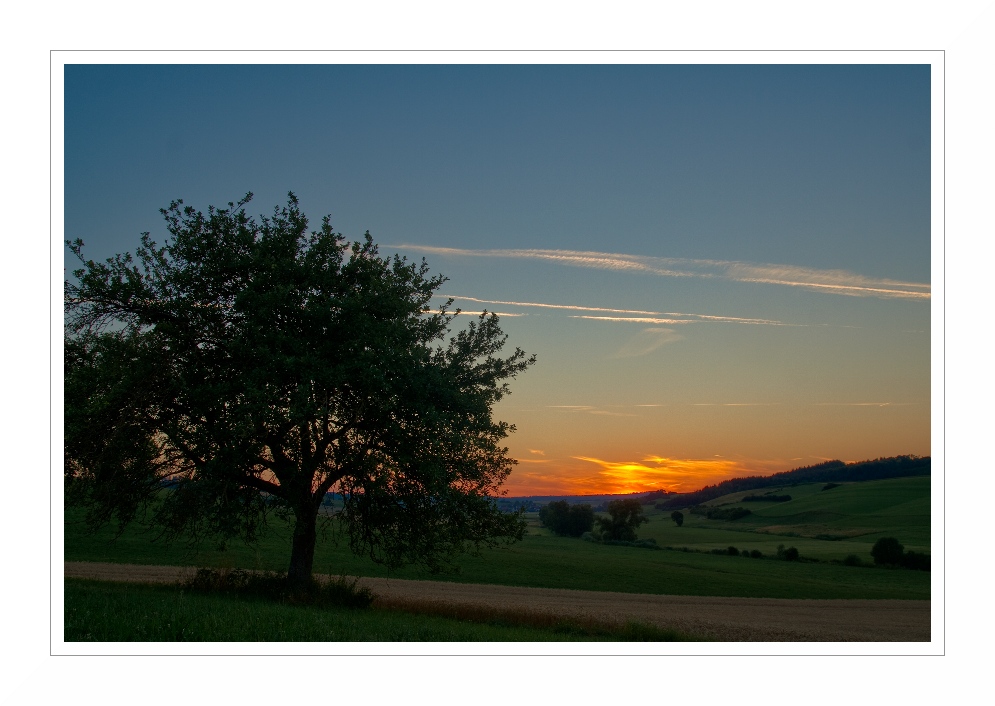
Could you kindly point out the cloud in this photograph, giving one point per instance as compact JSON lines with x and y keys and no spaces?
{"x":499,"y":313}
{"x":537,"y":452}
{"x":570,"y":307}
{"x":647,"y":341}
{"x":863,"y":404}
{"x":840,"y":282}
{"x":679,"y":475}
{"x":590,"y":409}
{"x":651,"y":317}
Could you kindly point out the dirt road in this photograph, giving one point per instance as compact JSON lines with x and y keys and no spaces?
{"x":726,"y":619}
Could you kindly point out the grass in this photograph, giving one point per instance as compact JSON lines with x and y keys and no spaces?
{"x":117,"y":612}
{"x":553,"y":562}
{"x":863,"y":512}
{"x":824,"y":525}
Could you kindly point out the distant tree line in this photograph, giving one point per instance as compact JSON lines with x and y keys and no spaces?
{"x":720,"y":513}
{"x":766,"y":498}
{"x":829,"y":471}
{"x":567,"y":520}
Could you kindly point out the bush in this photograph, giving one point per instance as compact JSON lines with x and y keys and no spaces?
{"x":732,"y":551}
{"x":791,"y":554}
{"x":756,"y":554}
{"x":271,"y":586}
{"x":887,"y":551}
{"x":639,"y":543}
{"x":727,"y":513}
{"x":852,"y":560}
{"x":830,"y":486}
{"x":916,"y":560}
{"x":767,"y":498}
{"x":677,"y":517}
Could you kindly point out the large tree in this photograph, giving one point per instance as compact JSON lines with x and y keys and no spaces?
{"x":624,"y":517}
{"x":246,"y":366}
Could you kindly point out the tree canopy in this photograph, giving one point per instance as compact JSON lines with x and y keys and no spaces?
{"x":565,"y":519}
{"x":624,"y":517}
{"x":248,"y":366}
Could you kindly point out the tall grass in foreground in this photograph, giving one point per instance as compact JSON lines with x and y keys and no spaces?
{"x":116,"y":612}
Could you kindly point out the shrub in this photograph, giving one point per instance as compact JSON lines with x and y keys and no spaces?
{"x":677,"y":517}
{"x":639,"y":543}
{"x":756,"y":554}
{"x":916,"y":560}
{"x":727,"y":513}
{"x":767,"y":498}
{"x":887,"y":551}
{"x":733,"y":551}
{"x":830,"y":486}
{"x":790,"y":554}
{"x":852,"y":559}
{"x":272,"y":586}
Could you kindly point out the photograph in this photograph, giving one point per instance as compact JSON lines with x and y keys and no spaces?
{"x":500,"y":354}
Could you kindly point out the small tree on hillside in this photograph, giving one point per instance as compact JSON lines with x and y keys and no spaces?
{"x":887,"y":551}
{"x":248,"y":366}
{"x":624,"y":516}
{"x":677,"y":517}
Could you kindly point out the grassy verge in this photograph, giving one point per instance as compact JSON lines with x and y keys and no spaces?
{"x":117,"y":612}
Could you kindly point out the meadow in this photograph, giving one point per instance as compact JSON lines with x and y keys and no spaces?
{"x":825,"y":526}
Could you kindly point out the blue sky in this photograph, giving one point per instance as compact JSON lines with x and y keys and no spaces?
{"x":760,"y":233}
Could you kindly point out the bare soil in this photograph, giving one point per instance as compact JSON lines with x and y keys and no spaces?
{"x":725,"y":619}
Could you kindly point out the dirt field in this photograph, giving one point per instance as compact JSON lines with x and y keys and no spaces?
{"x":726,"y":619}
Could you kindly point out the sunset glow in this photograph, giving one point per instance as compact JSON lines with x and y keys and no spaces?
{"x":723,"y":270}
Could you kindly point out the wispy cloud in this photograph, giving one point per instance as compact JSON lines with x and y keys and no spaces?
{"x":840,"y":282}
{"x":734,"y":404}
{"x":570,"y":307}
{"x":647,"y":341}
{"x":863,"y":404}
{"x":499,"y":313}
{"x":590,"y":409}
{"x":666,"y":473}
{"x":650,"y":317}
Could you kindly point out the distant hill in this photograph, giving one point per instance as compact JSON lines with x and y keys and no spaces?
{"x":830,"y":471}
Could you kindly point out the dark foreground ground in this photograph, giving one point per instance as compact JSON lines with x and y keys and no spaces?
{"x":725,"y":619}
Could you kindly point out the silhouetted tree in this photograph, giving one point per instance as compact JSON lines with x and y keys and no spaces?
{"x":887,"y":550}
{"x":565,"y":519}
{"x":677,"y":517}
{"x":624,"y":516}
{"x":258,"y":365}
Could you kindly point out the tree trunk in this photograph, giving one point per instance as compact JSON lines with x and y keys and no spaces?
{"x":302,"y":553}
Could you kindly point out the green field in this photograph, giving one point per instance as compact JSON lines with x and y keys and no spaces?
{"x":860,"y":512}
{"x":97,"y":611}
{"x":821,"y":524}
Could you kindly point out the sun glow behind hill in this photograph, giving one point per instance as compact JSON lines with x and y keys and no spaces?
{"x":593,"y":476}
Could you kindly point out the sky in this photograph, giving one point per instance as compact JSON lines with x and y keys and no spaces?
{"x":723,"y":270}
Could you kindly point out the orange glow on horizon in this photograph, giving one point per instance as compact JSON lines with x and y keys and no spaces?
{"x":568,"y":477}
